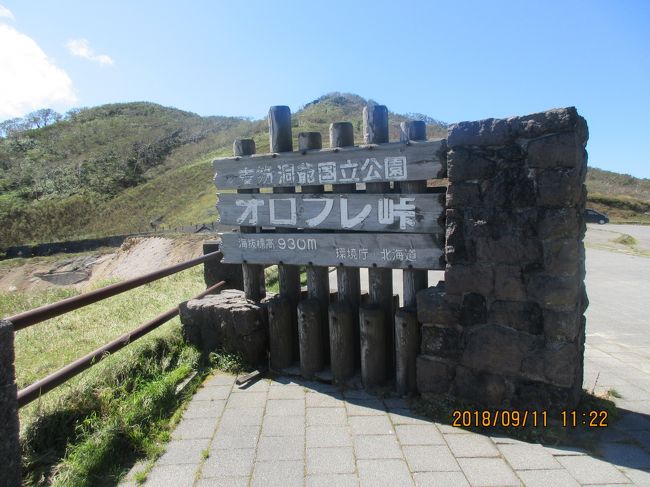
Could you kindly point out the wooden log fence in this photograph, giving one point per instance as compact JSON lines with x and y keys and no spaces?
{"x":392,"y":224}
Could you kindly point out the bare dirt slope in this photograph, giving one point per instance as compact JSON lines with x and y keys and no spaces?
{"x":137,"y":256}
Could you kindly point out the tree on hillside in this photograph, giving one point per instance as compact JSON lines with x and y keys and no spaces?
{"x":42,"y":118}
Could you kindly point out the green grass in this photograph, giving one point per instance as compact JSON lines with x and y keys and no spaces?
{"x":626,"y":239}
{"x":89,"y":430}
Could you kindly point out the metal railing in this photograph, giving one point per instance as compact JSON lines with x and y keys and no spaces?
{"x":37,"y":315}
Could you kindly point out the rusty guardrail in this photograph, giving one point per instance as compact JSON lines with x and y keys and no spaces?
{"x":42,"y":313}
{"x":40,"y":387}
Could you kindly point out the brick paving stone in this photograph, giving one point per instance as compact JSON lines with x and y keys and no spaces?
{"x":471,"y":446}
{"x":192,"y":429}
{"x":322,"y":416}
{"x":528,"y":457}
{"x":204,"y":409}
{"x":406,"y":416}
{"x":488,"y":472}
{"x":283,"y":426}
{"x":176,"y":475}
{"x":396,"y":403}
{"x":377,"y":446}
{"x":318,"y":400}
{"x":547,"y":478}
{"x":363,"y":407}
{"x":235,"y":437}
{"x":639,"y":477}
{"x":430,"y":458}
{"x":228,"y":463}
{"x":280,"y":448}
{"x":286,"y":392}
{"x":285,"y":407}
{"x":321,"y":387}
{"x":411,"y":434}
{"x":246,"y":400}
{"x":328,"y":435}
{"x":448,"y":429}
{"x":212,"y":393}
{"x":183,"y":451}
{"x":220,"y":380}
{"x":625,"y":454}
{"x":242,"y":416}
{"x":261,"y":385}
{"x":333,"y":480}
{"x":278,"y":474}
{"x":441,"y":479}
{"x":384,"y":473}
{"x":371,"y":425}
{"x":588,"y":470}
{"x":338,"y":459}
{"x":565,"y":451}
{"x":358,"y":394}
{"x":221,"y":482}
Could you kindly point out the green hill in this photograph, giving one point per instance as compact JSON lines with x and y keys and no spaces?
{"x":116,"y":168}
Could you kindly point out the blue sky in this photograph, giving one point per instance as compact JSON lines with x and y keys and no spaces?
{"x":451,"y":60}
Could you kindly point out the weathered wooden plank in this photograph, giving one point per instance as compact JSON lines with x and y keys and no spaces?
{"x":385,"y":250}
{"x":397,"y":161}
{"x":412,"y":213}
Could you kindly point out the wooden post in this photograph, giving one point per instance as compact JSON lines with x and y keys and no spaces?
{"x":342,"y":342}
{"x":318,"y":283}
{"x":348,"y":280}
{"x":373,"y":345}
{"x":280,"y":332}
{"x":380,"y":281}
{"x":311,"y":338}
{"x":414,"y":280}
{"x":253,"y":275}
{"x":407,"y":343}
{"x":280,"y":140}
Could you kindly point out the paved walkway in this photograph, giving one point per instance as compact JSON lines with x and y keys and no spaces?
{"x":284,"y":433}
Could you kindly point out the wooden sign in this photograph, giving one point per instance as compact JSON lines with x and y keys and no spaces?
{"x":416,"y":251}
{"x":399,"y":161}
{"x":414,"y":213}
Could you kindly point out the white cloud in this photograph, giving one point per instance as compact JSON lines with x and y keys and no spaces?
{"x":5,"y":13}
{"x":30,"y":79}
{"x":81,"y":48}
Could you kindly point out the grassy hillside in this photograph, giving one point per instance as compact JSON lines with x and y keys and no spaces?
{"x":623,"y":197}
{"x":116,"y":168}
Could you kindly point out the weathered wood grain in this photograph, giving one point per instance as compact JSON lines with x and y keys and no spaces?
{"x":280,"y":333}
{"x":384,"y":250}
{"x":312,"y":351}
{"x":412,"y":213}
{"x":373,"y":345}
{"x":398,"y":161}
{"x":342,"y":341}
{"x":407,"y":343}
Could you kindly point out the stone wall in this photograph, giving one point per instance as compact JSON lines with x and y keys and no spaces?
{"x":506,"y":328}
{"x":9,"y":443}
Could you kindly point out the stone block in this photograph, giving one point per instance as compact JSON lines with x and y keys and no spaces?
{"x":434,"y":375}
{"x":522,"y":316}
{"x":548,"y":122}
{"x":442,"y":340}
{"x":555,"y":150}
{"x":7,"y":355}
{"x":10,"y":451}
{"x":492,"y":131}
{"x":214,"y":271}
{"x":229,"y":321}
{"x":509,"y":283}
{"x":475,"y":278}
{"x":561,"y":364}
{"x":559,"y":223}
{"x":509,"y":188}
{"x":463,"y":166}
{"x":553,"y":291}
{"x":498,"y":349}
{"x":473,"y":309}
{"x":462,"y":195}
{"x":562,"y":256}
{"x":508,"y":249}
{"x":434,"y":308}
{"x":559,"y":188}
{"x":482,"y":387}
